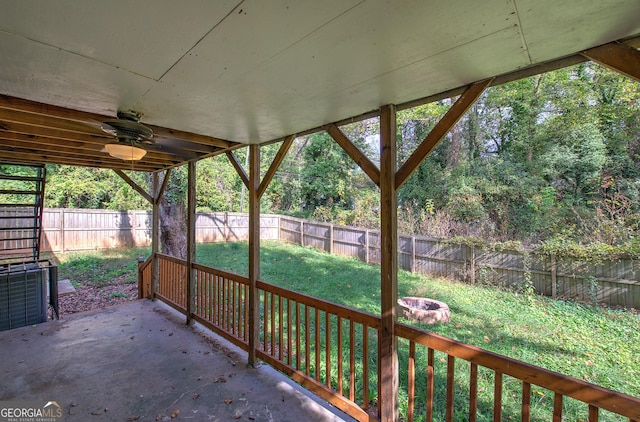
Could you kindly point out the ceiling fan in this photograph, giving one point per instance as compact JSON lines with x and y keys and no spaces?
{"x":133,"y":139}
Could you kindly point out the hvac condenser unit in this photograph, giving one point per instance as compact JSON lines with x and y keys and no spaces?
{"x":23,"y":293}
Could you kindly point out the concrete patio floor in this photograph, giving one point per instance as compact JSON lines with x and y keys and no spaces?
{"x":138,"y":361}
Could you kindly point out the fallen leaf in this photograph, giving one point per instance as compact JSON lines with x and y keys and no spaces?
{"x":133,"y":418}
{"x":95,"y":413}
{"x":228,"y":401}
{"x":73,"y":404}
{"x":237,"y":416}
{"x":175,"y":413}
{"x":487,"y":339}
{"x":195,"y":396}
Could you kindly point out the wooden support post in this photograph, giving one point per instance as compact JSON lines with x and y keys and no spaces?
{"x":301,"y":232}
{"x":254,"y":252}
{"x":191,"y":241}
{"x":155,"y":238}
{"x":387,"y":343}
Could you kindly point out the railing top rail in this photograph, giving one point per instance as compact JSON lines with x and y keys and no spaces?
{"x":146,"y":263}
{"x":339,"y":310}
{"x":226,"y":274}
{"x":603,"y":398}
{"x":171,"y":259}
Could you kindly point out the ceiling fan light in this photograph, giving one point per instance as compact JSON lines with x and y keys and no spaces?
{"x":125,"y":152}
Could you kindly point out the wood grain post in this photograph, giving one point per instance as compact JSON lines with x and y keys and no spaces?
{"x":191,"y":241}
{"x":301,"y":232}
{"x":331,"y":239}
{"x":254,"y":252}
{"x":155,"y":238}
{"x":366,"y":246}
{"x":554,"y":277}
{"x":387,"y":343}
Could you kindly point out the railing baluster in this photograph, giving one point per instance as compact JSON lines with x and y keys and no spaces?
{"x":298,"y":326}
{"x":233,"y":307}
{"x":265,"y":322}
{"x":451,"y":363}
{"x":526,"y":402}
{"x":317,"y":326}
{"x":557,"y":407}
{"x":352,"y":361}
{"x":411,"y":380}
{"x":307,"y":341}
{"x":280,"y":330}
{"x":340,"y":374}
{"x":593,"y":414}
{"x":497,"y":398}
{"x":327,"y":347}
{"x":430,"y":375}
{"x":219,"y":302}
{"x":473,"y":393}
{"x":365,"y":366}
{"x":246,"y":313}
{"x":273,"y":325}
{"x":289,"y":332}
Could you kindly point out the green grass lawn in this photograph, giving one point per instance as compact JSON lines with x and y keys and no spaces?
{"x":595,"y":344}
{"x":598,"y":345}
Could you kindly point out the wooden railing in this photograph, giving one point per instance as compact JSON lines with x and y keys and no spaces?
{"x":172,"y":286}
{"x":497,"y":368}
{"x":328,"y":348}
{"x":222,"y":304}
{"x":332,"y":351}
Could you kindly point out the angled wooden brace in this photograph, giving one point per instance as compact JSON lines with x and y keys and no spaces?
{"x":445,"y":124}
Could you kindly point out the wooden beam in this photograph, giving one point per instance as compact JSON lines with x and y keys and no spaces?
{"x":160,"y":193}
{"x":191,"y":241}
{"x":445,"y":124}
{"x":254,"y":253}
{"x":236,"y":164}
{"x":356,"y":155}
{"x":388,"y":343}
{"x":55,"y":158}
{"x":619,"y":57}
{"x":275,"y":164}
{"x":134,"y":185}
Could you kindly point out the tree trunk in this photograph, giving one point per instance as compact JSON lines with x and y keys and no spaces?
{"x":173,"y":229}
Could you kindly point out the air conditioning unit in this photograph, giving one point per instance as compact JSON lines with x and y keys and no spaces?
{"x":23,"y":293}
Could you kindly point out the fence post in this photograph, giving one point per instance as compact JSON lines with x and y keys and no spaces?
{"x":554,"y":277}
{"x":366,"y":246}
{"x":301,"y":232}
{"x":62,"y":247}
{"x":331,"y":239}
{"x":225,"y":226}
{"x":473,"y":264}
{"x":413,"y":253}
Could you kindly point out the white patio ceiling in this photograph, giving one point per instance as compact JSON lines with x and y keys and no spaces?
{"x":256,"y":70}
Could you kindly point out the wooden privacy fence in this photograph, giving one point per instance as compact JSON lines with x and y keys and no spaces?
{"x":608,"y":282}
{"x":333,"y":351}
{"x":67,"y":230}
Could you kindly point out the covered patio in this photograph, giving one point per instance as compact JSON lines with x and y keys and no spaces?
{"x":219,"y":77}
{"x":138,"y":362}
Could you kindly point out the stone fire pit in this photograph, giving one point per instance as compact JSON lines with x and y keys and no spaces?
{"x":423,"y":310}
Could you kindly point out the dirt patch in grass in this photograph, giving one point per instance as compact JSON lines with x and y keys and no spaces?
{"x":88,"y":298}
